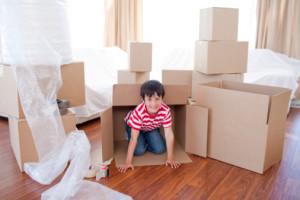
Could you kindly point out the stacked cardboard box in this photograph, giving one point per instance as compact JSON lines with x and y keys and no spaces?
{"x":73,"y":89}
{"x":217,"y":54}
{"x":139,"y":62}
{"x":246,"y":122}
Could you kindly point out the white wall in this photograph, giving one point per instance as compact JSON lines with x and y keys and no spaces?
{"x":173,"y":24}
{"x":87,"y":23}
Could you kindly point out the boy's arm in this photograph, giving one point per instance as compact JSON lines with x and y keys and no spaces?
{"x":170,"y":145}
{"x":130,"y":151}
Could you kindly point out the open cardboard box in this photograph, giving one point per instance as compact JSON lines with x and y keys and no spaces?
{"x":186,"y":126}
{"x":73,"y":88}
{"x":246,"y":124}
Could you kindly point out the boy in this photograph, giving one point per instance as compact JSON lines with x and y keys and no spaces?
{"x":142,"y":126}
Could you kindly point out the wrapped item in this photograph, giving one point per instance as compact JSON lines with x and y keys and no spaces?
{"x":35,"y":43}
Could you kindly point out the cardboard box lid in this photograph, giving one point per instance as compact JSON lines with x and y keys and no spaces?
{"x":129,"y":94}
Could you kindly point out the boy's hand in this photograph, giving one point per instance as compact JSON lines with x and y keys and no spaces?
{"x":124,"y":167}
{"x":173,"y":163}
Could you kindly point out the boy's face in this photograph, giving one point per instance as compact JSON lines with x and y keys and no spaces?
{"x":153,"y":103}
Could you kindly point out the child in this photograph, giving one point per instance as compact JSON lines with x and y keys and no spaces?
{"x":142,"y":126}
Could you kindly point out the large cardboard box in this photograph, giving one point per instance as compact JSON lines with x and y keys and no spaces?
{"x":218,"y":24}
{"x":73,"y":88}
{"x":114,"y":144}
{"x":246,"y":125}
{"x":140,"y":56}
{"x":221,"y":57}
{"x":22,"y":141}
{"x":177,"y":77}
{"x":128,"y":77}
{"x":200,"y":78}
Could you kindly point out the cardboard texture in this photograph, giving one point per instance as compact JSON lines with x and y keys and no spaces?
{"x":148,"y":158}
{"x":114,"y":142}
{"x":128,"y":77}
{"x":218,"y":24}
{"x":196,"y":130}
{"x":200,"y":78}
{"x":140,"y":56}
{"x":177,"y":77}
{"x":73,"y":88}
{"x":246,"y":123}
{"x":22,"y":140}
{"x":221,"y":57}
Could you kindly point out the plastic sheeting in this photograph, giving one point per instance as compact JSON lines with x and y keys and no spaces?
{"x":35,"y":43}
{"x":266,"y":67}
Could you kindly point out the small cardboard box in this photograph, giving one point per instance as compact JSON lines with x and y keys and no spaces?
{"x":140,"y":56}
{"x":114,"y":143}
{"x":22,"y":141}
{"x":128,"y":77}
{"x":246,"y":124}
{"x":200,"y":78}
{"x":177,"y":77}
{"x":73,"y":88}
{"x":218,"y":24}
{"x":221,"y":57}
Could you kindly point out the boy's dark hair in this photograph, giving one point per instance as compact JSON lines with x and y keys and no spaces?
{"x":150,"y":87}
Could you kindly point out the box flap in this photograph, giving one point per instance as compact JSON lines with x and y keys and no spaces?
{"x":276,"y":128}
{"x":126,"y":95}
{"x":253,"y":88}
{"x":196,"y":130}
{"x":107,"y":140}
{"x":176,"y":94}
{"x":129,"y":94}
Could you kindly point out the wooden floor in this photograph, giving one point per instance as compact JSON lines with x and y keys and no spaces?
{"x":201,"y":179}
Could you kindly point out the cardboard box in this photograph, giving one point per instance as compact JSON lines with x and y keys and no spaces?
{"x":221,"y":57}
{"x":128,"y":77}
{"x":114,"y":143}
{"x":246,"y":125}
{"x":22,"y":141}
{"x":218,"y":24}
{"x":177,"y":77}
{"x":73,"y":88}
{"x":200,"y":78}
{"x":140,"y":56}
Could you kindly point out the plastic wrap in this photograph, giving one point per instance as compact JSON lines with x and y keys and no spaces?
{"x":35,"y":43}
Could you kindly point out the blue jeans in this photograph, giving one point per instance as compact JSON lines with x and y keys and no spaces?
{"x":151,"y":140}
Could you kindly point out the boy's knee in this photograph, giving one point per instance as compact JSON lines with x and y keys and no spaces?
{"x":159,"y":149}
{"x":139,"y":151}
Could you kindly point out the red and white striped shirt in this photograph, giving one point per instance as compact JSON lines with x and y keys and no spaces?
{"x":140,"y":119}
